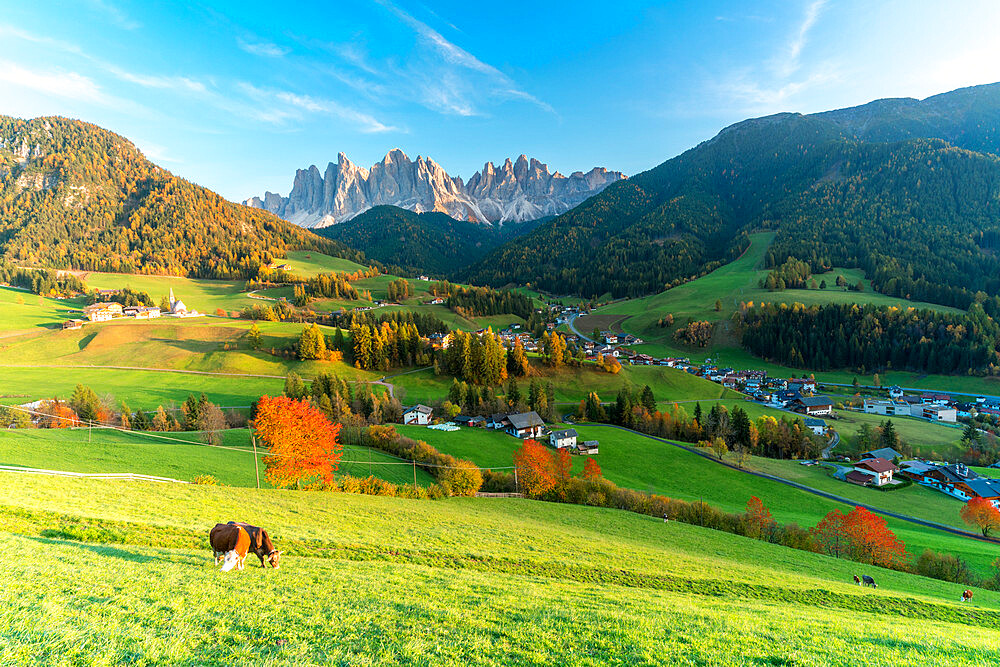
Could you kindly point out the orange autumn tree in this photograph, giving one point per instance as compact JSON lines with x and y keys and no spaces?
{"x":980,"y":513}
{"x":536,"y":470}
{"x":302,"y":442}
{"x":758,"y":518}
{"x":563,"y":466}
{"x":57,"y":414}
{"x":591,"y":470}
{"x":861,"y":536}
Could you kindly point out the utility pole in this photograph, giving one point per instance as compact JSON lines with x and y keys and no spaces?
{"x":516,"y":488}
{"x":369,"y":461}
{"x":414,"y":473}
{"x":256,"y":464}
{"x":90,"y":431}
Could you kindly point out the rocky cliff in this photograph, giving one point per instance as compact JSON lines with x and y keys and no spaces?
{"x":513,"y":192}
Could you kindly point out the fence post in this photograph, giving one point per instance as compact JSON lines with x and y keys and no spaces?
{"x":256,"y":463}
{"x":414,"y":473}
{"x":516,"y":487}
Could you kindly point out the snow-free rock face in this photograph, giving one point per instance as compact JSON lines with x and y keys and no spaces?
{"x":514,"y":192}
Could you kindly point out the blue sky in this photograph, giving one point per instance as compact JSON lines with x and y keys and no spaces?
{"x":237,"y":95}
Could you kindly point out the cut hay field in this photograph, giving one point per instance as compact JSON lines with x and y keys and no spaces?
{"x":24,"y":311}
{"x":634,"y":461}
{"x":159,"y":454}
{"x":927,"y":438}
{"x":573,"y":384}
{"x":309,"y":263}
{"x":120,"y":573}
{"x":736,"y":282}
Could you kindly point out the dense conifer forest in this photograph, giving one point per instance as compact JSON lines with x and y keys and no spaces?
{"x":872,"y":338}
{"x":73,"y":195}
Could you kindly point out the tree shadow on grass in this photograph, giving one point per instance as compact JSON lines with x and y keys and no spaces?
{"x":108,"y":551}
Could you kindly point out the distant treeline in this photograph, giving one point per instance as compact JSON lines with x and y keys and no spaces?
{"x":41,"y":281}
{"x":483,"y":301}
{"x":871,"y":338}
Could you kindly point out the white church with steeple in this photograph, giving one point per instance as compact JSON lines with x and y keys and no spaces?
{"x":178,"y":309}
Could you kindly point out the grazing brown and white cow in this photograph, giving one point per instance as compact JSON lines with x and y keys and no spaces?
{"x":230,"y":544}
{"x":857,"y":580}
{"x":260,"y":544}
{"x":966,"y":596}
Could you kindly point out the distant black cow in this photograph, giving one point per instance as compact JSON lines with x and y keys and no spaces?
{"x":260,"y":544}
{"x":857,"y":580}
{"x":869,"y":581}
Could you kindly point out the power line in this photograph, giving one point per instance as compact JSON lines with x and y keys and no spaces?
{"x":156,"y":435}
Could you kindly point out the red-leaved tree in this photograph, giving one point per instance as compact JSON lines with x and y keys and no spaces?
{"x":536,"y":470}
{"x":759,"y":519}
{"x":302,"y":442}
{"x":859,"y":535}
{"x":980,"y":513}
{"x":591,"y":470}
{"x":563,"y":466}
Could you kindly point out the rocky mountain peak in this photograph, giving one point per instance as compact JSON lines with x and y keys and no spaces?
{"x":518,"y":190}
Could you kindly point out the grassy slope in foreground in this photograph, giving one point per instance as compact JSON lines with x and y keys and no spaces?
{"x":453,"y":582}
{"x":107,"y":451}
{"x":633,"y":461}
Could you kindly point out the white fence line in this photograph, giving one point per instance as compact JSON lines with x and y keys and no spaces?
{"x":127,"y":476}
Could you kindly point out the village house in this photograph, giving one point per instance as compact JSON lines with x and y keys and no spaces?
{"x":587,"y":448}
{"x":498,"y":421}
{"x":936,"y":399}
{"x":817,"y":426}
{"x":418,"y":414}
{"x":525,"y":425}
{"x":895,"y":392}
{"x":103,"y":311}
{"x":814,"y":405}
{"x":72,"y":324}
{"x":565,"y":438}
{"x":879,"y":470}
{"x":956,"y":480}
{"x":473,"y":422}
{"x":877,"y":406}
{"x":934,"y":412}
{"x":887,"y":453}
{"x":802,"y":386}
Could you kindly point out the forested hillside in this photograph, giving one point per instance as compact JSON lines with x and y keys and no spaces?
{"x":432,"y":243}
{"x":73,"y":195}
{"x":919,"y":214}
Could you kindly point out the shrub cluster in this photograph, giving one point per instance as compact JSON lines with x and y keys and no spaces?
{"x":455,"y":477}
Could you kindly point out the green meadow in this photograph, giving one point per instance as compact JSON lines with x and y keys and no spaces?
{"x":573,"y":384}
{"x":24,"y":311}
{"x":102,"y":572}
{"x":231,"y":462}
{"x":633,"y":461}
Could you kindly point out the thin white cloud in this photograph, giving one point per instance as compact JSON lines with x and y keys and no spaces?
{"x":177,"y":83}
{"x":69,"y":85}
{"x":777,"y":84}
{"x":116,"y":15}
{"x":281,"y":106}
{"x":266,"y":49}
{"x":790,"y":62}
{"x":448,"y":91}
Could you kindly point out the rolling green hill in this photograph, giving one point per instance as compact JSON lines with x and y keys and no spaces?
{"x":917,"y":214}
{"x":431,"y":243}
{"x":73,"y":195}
{"x":390,"y":581}
{"x":634,"y":461}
